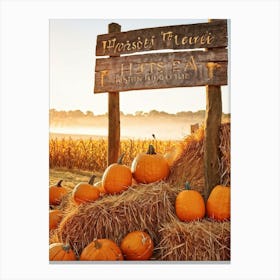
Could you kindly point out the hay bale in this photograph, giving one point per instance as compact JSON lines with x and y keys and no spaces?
{"x":224,"y":165}
{"x":141,"y":207}
{"x":54,"y":236}
{"x":190,"y":164}
{"x":204,"y":240}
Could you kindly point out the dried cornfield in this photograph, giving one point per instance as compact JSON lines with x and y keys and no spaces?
{"x":91,"y":154}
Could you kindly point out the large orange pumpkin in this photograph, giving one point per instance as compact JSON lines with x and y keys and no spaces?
{"x":117,"y":177}
{"x":149,"y":167}
{"x":85,"y":192}
{"x":56,"y":193}
{"x":189,"y":205}
{"x":218,"y":203}
{"x":137,"y":245}
{"x":55,"y":216}
{"x":101,"y":250}
{"x":61,"y":252}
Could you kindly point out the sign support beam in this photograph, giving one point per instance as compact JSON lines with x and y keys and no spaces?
{"x":113,"y":115}
{"x":213,"y":119}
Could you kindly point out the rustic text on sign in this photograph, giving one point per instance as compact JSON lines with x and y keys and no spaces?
{"x":203,"y":35}
{"x":161,"y":70}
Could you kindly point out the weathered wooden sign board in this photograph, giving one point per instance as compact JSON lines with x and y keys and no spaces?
{"x":162,"y":70}
{"x":200,"y":59}
{"x":202,"y":35}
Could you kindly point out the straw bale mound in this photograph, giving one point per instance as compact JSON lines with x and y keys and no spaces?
{"x":190,"y":167}
{"x":204,"y":240}
{"x":67,"y":204}
{"x":54,"y":236}
{"x":141,"y":207}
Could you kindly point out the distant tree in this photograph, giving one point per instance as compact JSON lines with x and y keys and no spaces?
{"x":154,"y":113}
{"x":89,"y":114}
{"x":139,"y":113}
{"x":76,"y":114}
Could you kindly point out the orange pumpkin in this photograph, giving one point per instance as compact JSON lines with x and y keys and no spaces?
{"x":117,"y":177}
{"x":137,"y":245}
{"x":101,"y":250}
{"x":56,"y":193}
{"x":55,"y":217}
{"x":61,"y":252}
{"x":189,"y":205}
{"x":99,"y":186}
{"x":218,"y":203}
{"x":85,"y":192}
{"x":149,"y":167}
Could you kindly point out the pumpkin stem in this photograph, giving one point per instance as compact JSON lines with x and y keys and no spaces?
{"x":91,"y":180}
{"x":187,"y":186}
{"x":66,"y":247}
{"x":151,"y":150}
{"x":120,"y":159}
{"x":97,"y":244}
{"x":59,"y":183}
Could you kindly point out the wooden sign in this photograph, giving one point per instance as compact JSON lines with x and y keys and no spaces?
{"x":189,"y":68}
{"x":202,"y":35}
{"x":161,"y":70}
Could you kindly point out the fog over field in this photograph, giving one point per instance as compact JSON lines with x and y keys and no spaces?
{"x":139,"y":126}
{"x":163,"y":128}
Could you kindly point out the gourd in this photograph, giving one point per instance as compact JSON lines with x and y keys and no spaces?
{"x":61,"y":252}
{"x":117,"y":177}
{"x":56,"y":193}
{"x":99,"y":186}
{"x":218,"y":203}
{"x":137,"y":245}
{"x":85,"y":192}
{"x":189,"y":205}
{"x":101,"y":250}
{"x":55,"y":217}
{"x":149,"y":167}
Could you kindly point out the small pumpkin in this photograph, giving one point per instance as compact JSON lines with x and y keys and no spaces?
{"x":218,"y":203}
{"x":149,"y":167}
{"x":99,"y":186}
{"x":85,"y":192}
{"x":189,"y":205}
{"x":61,"y":252}
{"x":117,"y":177}
{"x":55,"y":217}
{"x":137,"y":245}
{"x":101,"y":250}
{"x":56,"y":193}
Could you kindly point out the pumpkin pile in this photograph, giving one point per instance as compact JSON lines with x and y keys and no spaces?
{"x":147,"y":211}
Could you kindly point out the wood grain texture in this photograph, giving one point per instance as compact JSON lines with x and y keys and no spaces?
{"x":113,"y":116}
{"x":161,"y":70}
{"x":212,"y":139}
{"x":201,"y":35}
{"x":213,"y":117}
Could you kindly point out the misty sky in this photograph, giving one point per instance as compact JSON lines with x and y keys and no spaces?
{"x":72,"y":63}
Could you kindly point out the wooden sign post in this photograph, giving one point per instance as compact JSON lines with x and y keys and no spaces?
{"x":204,"y":63}
{"x":113,"y":115}
{"x":213,"y":119}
